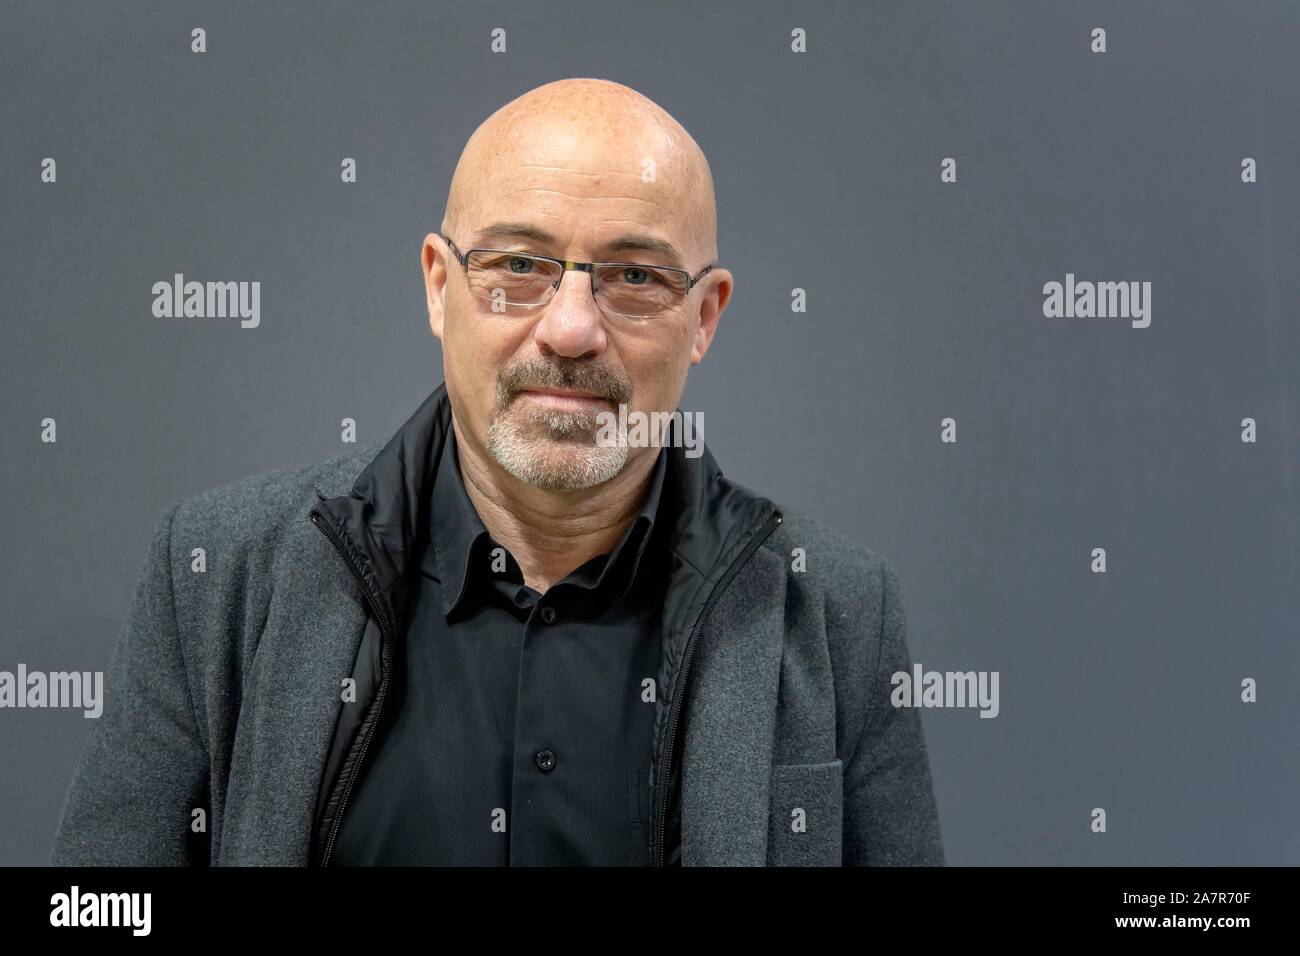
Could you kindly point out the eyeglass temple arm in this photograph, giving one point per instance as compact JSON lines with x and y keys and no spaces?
{"x":462,"y":259}
{"x":699,"y":277}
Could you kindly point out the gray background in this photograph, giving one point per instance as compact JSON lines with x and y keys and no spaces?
{"x":1117,"y":690}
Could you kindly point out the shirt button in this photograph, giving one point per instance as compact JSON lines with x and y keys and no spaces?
{"x":545,"y":759}
{"x":548,"y":614}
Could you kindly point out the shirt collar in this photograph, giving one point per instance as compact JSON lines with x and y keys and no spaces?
{"x":456,"y":530}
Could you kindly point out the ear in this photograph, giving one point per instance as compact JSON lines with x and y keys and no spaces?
{"x":714,"y":296}
{"x":433,"y":256}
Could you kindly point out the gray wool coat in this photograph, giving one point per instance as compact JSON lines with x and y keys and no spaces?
{"x":223,"y":693}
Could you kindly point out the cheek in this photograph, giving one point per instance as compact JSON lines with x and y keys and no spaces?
{"x":657,"y":377}
{"x":476,"y":351}
{"x":467,"y":340}
{"x":464,"y":357}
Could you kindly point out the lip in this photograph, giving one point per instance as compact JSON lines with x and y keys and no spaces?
{"x":561,"y":398}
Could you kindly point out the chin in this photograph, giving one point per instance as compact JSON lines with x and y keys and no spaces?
{"x":553,"y":464}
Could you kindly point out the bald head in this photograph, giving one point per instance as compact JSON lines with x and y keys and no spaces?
{"x":592,"y":160}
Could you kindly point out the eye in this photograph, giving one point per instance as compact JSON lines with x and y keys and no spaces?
{"x":637,"y":276}
{"x":525,"y":265}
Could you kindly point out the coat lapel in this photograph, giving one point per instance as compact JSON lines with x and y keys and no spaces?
{"x":291,"y":694}
{"x":730,"y":720}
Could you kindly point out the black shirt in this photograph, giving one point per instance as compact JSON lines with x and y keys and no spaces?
{"x":518,"y":727}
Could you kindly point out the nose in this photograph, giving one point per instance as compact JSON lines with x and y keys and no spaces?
{"x":572,"y":324}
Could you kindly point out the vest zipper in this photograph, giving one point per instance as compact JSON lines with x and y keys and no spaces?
{"x":385,"y":661}
{"x":674,"y":714}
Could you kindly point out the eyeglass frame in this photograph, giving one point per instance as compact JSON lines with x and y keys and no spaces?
{"x":569,"y":265}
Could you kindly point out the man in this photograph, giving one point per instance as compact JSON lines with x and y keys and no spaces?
{"x":499,"y":638}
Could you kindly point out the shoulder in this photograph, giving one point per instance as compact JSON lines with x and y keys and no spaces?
{"x":847,"y":595}
{"x":257,"y":504}
{"x":254,"y":513}
{"x":844,"y":573}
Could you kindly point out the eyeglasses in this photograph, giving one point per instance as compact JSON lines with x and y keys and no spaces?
{"x":520,"y":280}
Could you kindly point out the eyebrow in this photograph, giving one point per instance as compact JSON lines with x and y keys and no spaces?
{"x":638,"y":242}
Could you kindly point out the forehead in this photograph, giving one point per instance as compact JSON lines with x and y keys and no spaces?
{"x":592,"y":187}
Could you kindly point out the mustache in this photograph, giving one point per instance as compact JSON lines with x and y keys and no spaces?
{"x":580,"y":376}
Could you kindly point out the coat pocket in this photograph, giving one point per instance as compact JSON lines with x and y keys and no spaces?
{"x":805,"y":822}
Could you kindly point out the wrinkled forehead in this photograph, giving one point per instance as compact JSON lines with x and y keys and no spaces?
{"x":586,"y":184}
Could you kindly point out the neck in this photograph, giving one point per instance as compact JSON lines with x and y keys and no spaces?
{"x":552,"y":533}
